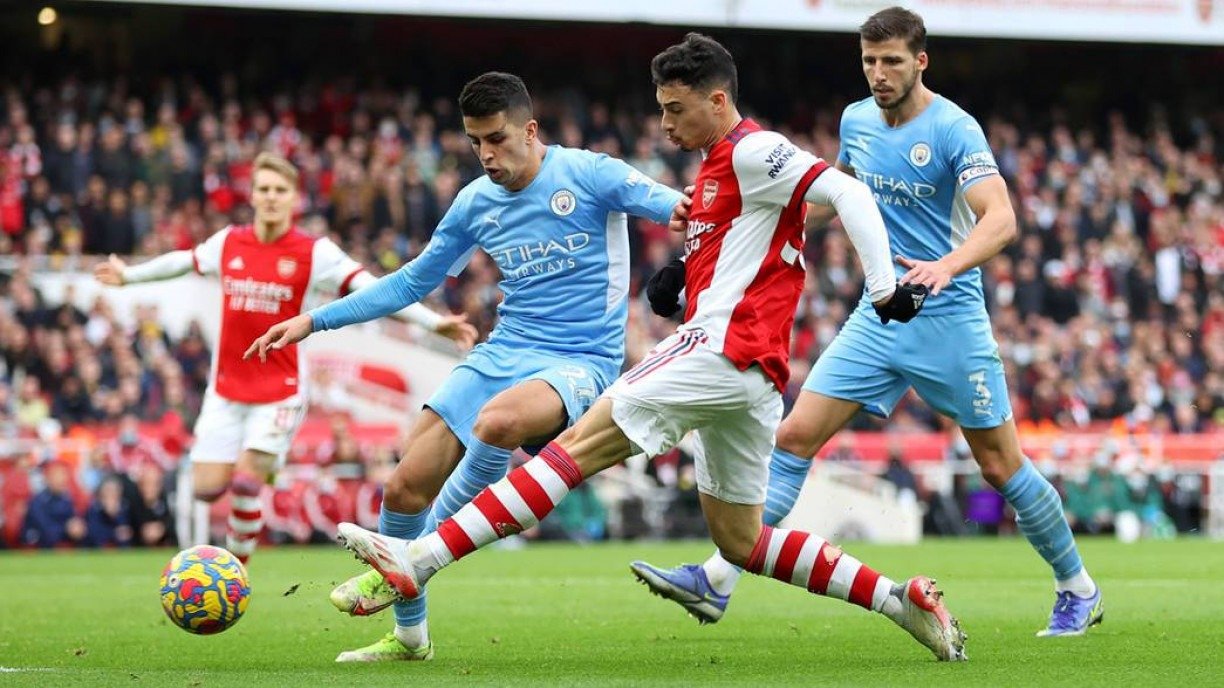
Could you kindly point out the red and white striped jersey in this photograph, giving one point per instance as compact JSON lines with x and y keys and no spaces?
{"x":261,"y":285}
{"x":744,"y":268}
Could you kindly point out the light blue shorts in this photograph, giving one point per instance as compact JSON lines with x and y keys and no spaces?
{"x":952,"y":362}
{"x":491,"y":369}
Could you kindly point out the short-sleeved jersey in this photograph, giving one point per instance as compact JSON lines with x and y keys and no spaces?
{"x":744,"y":267}
{"x":562,"y":246}
{"x":261,"y":285}
{"x":919,"y":173}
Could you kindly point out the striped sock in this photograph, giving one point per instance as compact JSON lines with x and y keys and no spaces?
{"x":246,"y":515}
{"x":509,"y":506}
{"x":786,"y":475}
{"x":482,"y":465}
{"x":1039,"y":514}
{"x":807,"y":561}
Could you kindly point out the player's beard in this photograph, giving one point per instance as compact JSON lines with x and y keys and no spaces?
{"x":902,"y":98}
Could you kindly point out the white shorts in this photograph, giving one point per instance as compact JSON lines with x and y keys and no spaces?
{"x":225,"y":428}
{"x":683,"y":385}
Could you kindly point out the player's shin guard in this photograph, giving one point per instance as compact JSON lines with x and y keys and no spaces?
{"x":1039,"y":515}
{"x":246,"y":515}
{"x":809,"y":562}
{"x":482,"y":465}
{"x":509,"y":506}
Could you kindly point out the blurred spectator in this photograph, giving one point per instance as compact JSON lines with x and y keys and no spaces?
{"x":107,"y":519}
{"x":51,"y":518}
{"x":151,"y":518}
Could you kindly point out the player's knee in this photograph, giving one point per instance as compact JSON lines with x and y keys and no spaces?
{"x":403,"y":496}
{"x":498,"y":427}
{"x":997,"y":467}
{"x":209,"y":493}
{"x":798,"y":437}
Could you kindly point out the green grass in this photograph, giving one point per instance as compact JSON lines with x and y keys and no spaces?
{"x":570,"y":616}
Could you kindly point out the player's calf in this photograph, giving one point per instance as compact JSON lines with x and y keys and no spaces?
{"x":246,"y":515}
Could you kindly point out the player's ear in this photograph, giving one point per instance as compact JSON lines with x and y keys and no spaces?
{"x":923,"y":60}
{"x":533,"y":130}
{"x":718,"y":98}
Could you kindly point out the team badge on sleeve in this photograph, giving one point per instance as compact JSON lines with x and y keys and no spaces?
{"x":563,"y":202}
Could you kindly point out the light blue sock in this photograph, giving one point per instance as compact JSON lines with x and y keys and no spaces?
{"x":400,"y":525}
{"x":482,"y":465}
{"x":786,"y":475}
{"x":1039,"y":514}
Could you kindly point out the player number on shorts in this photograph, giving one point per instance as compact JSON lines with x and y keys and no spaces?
{"x":982,"y":397}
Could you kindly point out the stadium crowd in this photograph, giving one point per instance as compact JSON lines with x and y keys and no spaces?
{"x":1109,"y":309}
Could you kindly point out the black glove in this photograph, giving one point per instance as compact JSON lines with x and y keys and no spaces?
{"x":664,"y":287}
{"x":905,"y":303}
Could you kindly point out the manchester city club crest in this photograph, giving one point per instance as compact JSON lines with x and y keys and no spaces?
{"x":709,"y":191}
{"x":563,"y":202}
{"x":920,"y":154}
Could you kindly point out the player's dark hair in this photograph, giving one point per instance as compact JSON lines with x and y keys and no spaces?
{"x":699,"y":62}
{"x":895,"y":22}
{"x":494,"y":92}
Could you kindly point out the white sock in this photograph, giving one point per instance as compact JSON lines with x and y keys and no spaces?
{"x":1080,"y":585}
{"x":413,"y":637}
{"x":893,"y":606}
{"x":723,"y":574}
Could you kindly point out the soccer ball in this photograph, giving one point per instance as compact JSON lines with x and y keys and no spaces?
{"x":204,"y":589}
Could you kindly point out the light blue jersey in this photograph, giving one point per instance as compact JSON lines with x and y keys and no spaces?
{"x":919,"y":173}
{"x":562,"y":245}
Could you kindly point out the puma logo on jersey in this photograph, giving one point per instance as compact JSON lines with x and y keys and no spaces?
{"x":235,"y":264}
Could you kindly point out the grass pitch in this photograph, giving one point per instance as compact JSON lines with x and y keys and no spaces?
{"x":565,"y":615}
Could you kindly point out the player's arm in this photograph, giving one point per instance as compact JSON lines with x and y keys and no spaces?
{"x":204,"y":259}
{"x":454,"y":327}
{"x":820,"y":215}
{"x":995,"y":229}
{"x":634,"y":193}
{"x":446,"y":252}
{"x":852,"y":201}
{"x":114,"y":272}
{"x":860,"y":216}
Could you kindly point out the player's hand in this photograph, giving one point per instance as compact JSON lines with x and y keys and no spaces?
{"x":906,"y":301}
{"x":280,"y":335}
{"x":663,"y":288}
{"x":110,"y":271}
{"x":680,"y":214}
{"x":932,"y":274}
{"x":457,"y":327}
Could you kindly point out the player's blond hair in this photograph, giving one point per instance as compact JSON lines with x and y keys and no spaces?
{"x":277,"y":164}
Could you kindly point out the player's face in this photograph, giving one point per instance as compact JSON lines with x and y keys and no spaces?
{"x":891,"y":70}
{"x":690,"y":118}
{"x":504,"y":147}
{"x":273,"y":198}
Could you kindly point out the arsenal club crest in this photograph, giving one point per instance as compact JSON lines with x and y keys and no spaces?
{"x":285,"y":267}
{"x":709,"y":191}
